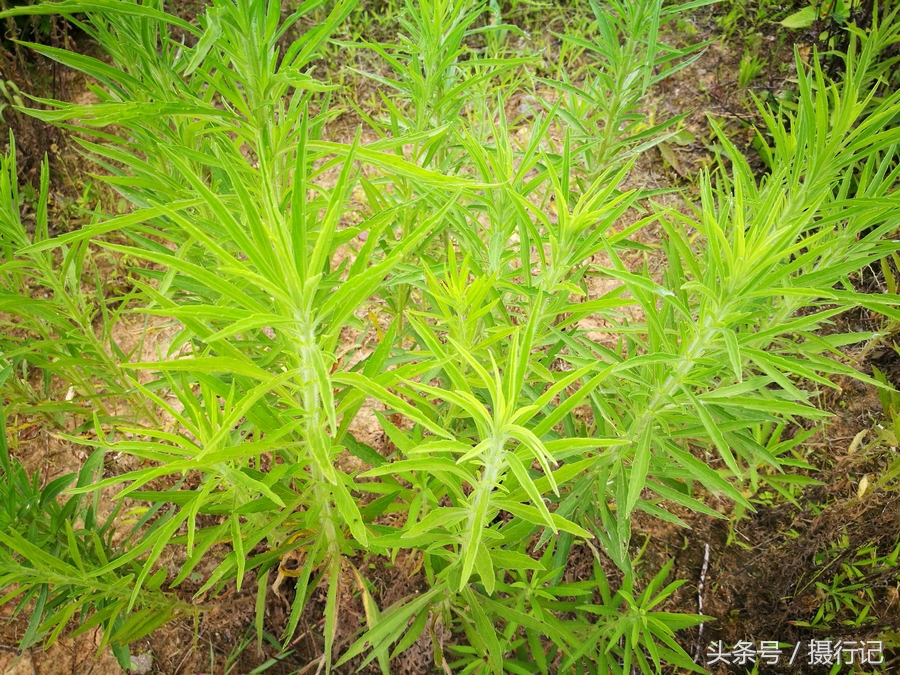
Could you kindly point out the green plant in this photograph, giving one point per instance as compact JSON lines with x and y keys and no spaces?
{"x":49,"y":309}
{"x":446,"y":273}
{"x":767,"y":485}
{"x":233,"y":658}
{"x":837,"y":22}
{"x":58,"y":559}
{"x":887,"y":433}
{"x":435,"y":69}
{"x":748,"y":70}
{"x":746,"y":15}
{"x":836,"y":10}
{"x":848,"y":596}
{"x":10,"y":95}
{"x":37,"y":25}
{"x":602,"y":113}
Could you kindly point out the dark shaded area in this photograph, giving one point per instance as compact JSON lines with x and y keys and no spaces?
{"x":29,"y":74}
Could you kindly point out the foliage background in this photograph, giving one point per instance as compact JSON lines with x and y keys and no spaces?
{"x":780,"y":532}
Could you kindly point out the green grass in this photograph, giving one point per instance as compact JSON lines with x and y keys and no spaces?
{"x":519,"y":437}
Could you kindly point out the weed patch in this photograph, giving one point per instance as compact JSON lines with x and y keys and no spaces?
{"x":465,"y":259}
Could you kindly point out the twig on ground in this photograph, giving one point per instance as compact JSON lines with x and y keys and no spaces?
{"x":700,"y":600}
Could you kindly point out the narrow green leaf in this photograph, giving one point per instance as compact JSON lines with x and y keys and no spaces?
{"x":380,"y":393}
{"x":531,"y":490}
{"x":349,"y":511}
{"x":639,"y":468}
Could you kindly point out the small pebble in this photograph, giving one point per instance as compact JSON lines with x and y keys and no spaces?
{"x":142,"y":663}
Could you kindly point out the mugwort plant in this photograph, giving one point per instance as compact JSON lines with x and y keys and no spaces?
{"x":439,"y":276}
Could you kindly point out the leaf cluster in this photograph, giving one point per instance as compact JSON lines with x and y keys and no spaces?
{"x":456,"y":286}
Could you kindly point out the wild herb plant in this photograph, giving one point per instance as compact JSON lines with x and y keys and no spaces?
{"x":11,"y":95}
{"x":520,"y":434}
{"x":602,"y":102}
{"x":249,"y":271}
{"x":58,"y":558}
{"x":436,"y":81}
{"x":696,"y":398}
{"x":48,"y":311}
{"x":749,"y":68}
{"x":434,"y":67}
{"x":717,"y":357}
